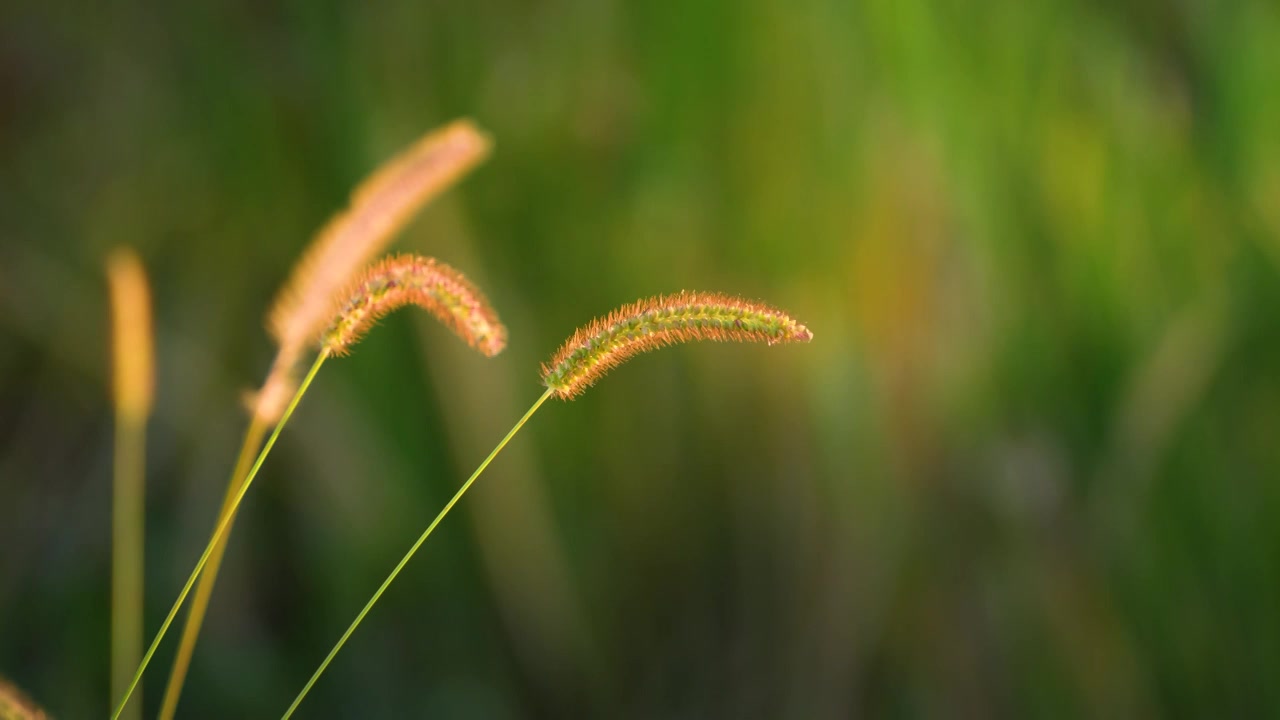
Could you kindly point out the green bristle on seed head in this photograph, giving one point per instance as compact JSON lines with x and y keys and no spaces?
{"x":664,"y":320}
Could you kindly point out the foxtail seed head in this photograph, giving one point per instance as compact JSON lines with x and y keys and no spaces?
{"x":411,"y":279}
{"x":131,"y":334}
{"x":379,"y":208}
{"x":656,"y":322}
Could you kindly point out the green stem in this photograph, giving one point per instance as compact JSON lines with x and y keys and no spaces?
{"x":127,"y":547}
{"x":222,"y":527}
{"x":409,"y":555}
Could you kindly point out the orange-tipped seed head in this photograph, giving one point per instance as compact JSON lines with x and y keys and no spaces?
{"x":131,"y":333}
{"x":411,"y":279}
{"x":656,"y":322}
{"x":379,"y":208}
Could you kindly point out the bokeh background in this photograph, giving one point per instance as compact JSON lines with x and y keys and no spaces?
{"x":1029,"y":466}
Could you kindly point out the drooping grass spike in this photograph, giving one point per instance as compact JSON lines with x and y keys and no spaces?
{"x":655,"y":322}
{"x":384,"y":286}
{"x":379,"y":207}
{"x":422,"y":281}
{"x":588,"y":355}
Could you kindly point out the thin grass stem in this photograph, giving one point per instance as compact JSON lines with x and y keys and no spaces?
{"x":222,"y":528}
{"x":127,"y":547}
{"x":133,"y":386}
{"x":409,"y":555}
{"x":253,"y":436}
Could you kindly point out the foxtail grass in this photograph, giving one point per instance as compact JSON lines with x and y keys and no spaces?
{"x":414,"y":280}
{"x":588,"y":355}
{"x":392,"y":283}
{"x":649,"y":324}
{"x":378,"y":209}
{"x":218,"y":532}
{"x":133,"y":379}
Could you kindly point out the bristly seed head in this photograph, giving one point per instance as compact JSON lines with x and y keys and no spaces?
{"x":132,"y":334}
{"x":379,"y":207}
{"x":411,"y":279}
{"x":656,"y":322}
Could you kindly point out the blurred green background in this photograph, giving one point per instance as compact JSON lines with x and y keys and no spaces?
{"x":1029,"y":466}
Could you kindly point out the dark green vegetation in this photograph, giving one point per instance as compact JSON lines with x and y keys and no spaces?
{"x":1029,"y":466}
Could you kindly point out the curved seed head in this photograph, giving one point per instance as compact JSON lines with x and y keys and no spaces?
{"x":414,"y":280}
{"x":664,"y":320}
{"x":379,"y":207}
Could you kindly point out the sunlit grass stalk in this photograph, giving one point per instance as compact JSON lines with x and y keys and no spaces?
{"x":127,"y":550}
{"x":378,"y":208}
{"x":591,"y":352}
{"x":133,"y":378}
{"x":413,"y":549}
{"x":383,"y":287}
{"x":221,"y":529}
